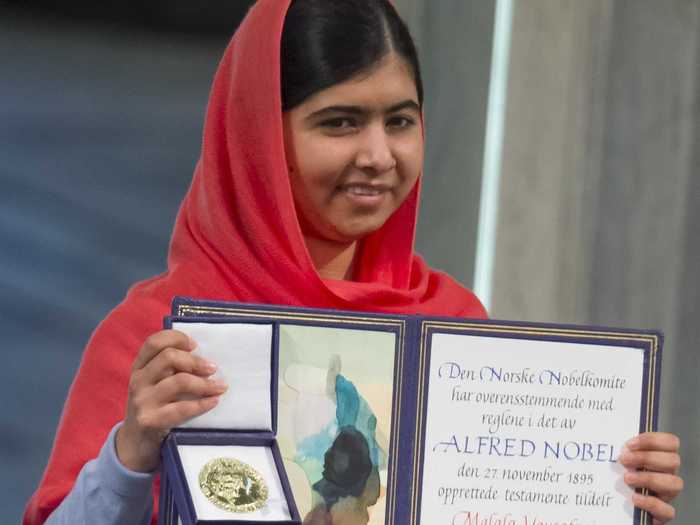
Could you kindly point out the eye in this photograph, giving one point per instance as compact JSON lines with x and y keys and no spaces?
{"x":339,"y":123}
{"x":400,"y":122}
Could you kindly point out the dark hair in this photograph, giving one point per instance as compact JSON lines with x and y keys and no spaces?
{"x":325,"y":42}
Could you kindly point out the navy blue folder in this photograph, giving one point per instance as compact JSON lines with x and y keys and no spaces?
{"x":406,"y":443}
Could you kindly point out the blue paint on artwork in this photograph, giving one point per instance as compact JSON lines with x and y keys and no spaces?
{"x":311,"y":450}
{"x":351,"y":411}
{"x":348,"y":399}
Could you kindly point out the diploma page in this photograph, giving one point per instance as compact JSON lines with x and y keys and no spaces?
{"x":527,"y":432}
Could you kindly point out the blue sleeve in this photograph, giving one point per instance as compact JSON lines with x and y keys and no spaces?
{"x":107,"y":493}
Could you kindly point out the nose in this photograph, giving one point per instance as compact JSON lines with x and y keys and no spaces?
{"x":375,"y":152}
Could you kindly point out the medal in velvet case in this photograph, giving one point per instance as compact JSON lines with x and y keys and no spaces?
{"x":225,"y":465}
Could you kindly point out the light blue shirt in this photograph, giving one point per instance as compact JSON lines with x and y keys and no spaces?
{"x":107,"y":493}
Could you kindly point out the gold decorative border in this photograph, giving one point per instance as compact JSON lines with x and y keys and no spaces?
{"x":282,"y":315}
{"x":652,"y":340}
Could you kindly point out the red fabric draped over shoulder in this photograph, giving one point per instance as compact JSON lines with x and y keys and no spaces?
{"x":237,"y":238}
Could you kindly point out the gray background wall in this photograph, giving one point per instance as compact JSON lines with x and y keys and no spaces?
{"x":598,"y":218}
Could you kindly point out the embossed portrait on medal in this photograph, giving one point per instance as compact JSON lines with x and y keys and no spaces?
{"x":233,"y":485}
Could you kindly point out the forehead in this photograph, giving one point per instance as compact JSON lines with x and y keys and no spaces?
{"x":389,"y":82}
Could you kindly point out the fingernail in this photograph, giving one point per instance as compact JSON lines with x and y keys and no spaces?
{"x":625,"y":452}
{"x":632,"y":443}
{"x":219,"y":384}
{"x":210,"y":367}
{"x":193,"y":343}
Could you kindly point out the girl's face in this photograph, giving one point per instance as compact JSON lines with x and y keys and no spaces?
{"x":354,"y":151}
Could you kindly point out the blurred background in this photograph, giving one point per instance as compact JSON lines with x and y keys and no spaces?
{"x":561,"y":176}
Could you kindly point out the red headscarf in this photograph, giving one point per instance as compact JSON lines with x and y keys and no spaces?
{"x":237,"y":238}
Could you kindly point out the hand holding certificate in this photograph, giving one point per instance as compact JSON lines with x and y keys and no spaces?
{"x":653,"y":462}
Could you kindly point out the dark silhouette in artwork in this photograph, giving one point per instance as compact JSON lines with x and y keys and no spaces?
{"x":346,"y":467}
{"x":350,"y":482}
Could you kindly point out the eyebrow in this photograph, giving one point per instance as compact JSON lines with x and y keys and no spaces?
{"x":359,"y":110}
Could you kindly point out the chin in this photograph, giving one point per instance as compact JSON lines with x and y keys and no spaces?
{"x":358,"y":231}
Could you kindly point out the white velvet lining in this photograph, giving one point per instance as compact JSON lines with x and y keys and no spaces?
{"x":194,"y":457}
{"x":243,"y":353}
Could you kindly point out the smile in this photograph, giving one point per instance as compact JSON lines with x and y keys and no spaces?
{"x":364,"y":190}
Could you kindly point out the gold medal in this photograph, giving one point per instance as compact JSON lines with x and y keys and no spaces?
{"x":233,"y":485}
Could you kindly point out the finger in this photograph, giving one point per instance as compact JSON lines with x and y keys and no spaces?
{"x":659,"y":441}
{"x":155,"y":343}
{"x":170,"y":361}
{"x":177,"y":413}
{"x":666,"y":486}
{"x":668,"y":462}
{"x":171,"y":415}
{"x":186,"y":386}
{"x":661,"y":511}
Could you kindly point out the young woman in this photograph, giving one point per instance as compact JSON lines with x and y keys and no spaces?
{"x":306,"y":194}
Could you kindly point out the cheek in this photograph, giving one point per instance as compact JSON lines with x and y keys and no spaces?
{"x":321,"y":163}
{"x":410,"y":159}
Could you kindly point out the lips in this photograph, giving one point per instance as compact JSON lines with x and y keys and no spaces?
{"x":364,"y":190}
